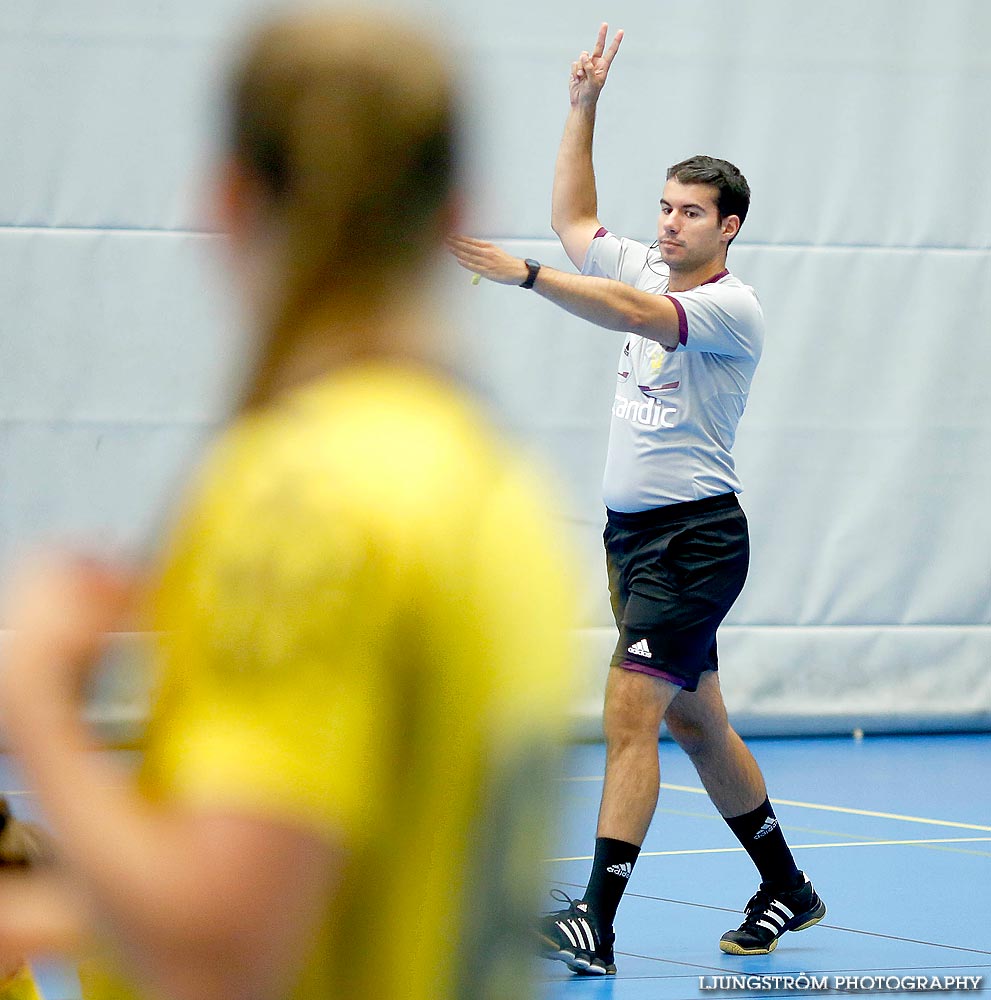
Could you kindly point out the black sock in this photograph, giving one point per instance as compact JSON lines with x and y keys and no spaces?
{"x":763,"y":840}
{"x":611,"y":869}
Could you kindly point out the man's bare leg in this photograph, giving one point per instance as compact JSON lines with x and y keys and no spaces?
{"x":786,"y":901}
{"x":634,"y":708}
{"x":698,"y":722}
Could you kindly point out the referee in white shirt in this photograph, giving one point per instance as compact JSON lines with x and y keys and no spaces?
{"x":676,"y":539}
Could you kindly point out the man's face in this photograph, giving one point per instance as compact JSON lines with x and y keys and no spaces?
{"x":690,"y":233}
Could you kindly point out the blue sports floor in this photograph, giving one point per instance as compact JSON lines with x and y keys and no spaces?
{"x":894,"y":831}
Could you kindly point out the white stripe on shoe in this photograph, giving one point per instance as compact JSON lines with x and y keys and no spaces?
{"x":579,"y":932}
{"x":586,"y":931}
{"x":569,"y":934}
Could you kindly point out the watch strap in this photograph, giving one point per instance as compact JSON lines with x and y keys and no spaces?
{"x":532,"y":267}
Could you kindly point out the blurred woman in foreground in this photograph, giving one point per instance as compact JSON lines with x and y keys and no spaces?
{"x":360,"y":614}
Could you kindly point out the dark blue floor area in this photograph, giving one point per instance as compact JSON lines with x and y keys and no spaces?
{"x":847,"y":807}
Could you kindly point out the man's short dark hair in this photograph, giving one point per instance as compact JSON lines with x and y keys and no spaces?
{"x":732,"y":189}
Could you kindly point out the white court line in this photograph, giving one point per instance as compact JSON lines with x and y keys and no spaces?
{"x":825,"y":808}
{"x":804,"y":847}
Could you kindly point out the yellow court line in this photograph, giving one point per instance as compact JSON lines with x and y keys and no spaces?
{"x":825,"y":808}
{"x":804,"y":847}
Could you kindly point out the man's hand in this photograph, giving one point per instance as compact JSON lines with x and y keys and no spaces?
{"x":488,"y":260}
{"x":590,"y":69}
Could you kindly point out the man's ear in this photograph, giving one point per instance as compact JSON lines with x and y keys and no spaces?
{"x":731,"y":226}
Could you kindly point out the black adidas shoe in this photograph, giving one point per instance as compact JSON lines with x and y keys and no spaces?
{"x":769,"y":915}
{"x":573,"y":936}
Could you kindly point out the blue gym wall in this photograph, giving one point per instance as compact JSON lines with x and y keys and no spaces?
{"x":862,"y":128}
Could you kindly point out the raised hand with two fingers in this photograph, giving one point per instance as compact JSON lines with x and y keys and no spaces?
{"x":590,"y":69}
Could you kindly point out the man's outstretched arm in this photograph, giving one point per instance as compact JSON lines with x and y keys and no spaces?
{"x":607,"y":303}
{"x":574,"y":206}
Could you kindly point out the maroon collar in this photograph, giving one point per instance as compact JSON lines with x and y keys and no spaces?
{"x":715,"y":277}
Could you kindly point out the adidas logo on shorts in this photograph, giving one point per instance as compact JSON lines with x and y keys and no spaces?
{"x":641,"y":649}
{"x":769,"y":824}
{"x":625,"y":870}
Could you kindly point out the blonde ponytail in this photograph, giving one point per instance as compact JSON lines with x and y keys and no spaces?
{"x":348,"y":125}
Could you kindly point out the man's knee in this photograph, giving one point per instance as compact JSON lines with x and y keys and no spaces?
{"x":626,"y":727}
{"x":635,"y":705}
{"x":695,"y":732}
{"x":691,"y":735}
{"x":697,"y":720}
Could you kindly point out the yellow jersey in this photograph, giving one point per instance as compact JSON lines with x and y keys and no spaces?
{"x":364,"y":621}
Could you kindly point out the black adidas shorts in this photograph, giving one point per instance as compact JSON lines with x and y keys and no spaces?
{"x":674,"y":573}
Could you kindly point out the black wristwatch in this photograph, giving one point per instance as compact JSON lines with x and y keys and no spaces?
{"x":532,"y":267}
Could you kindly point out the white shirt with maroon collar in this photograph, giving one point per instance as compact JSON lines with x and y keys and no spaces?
{"x":675,"y":414}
